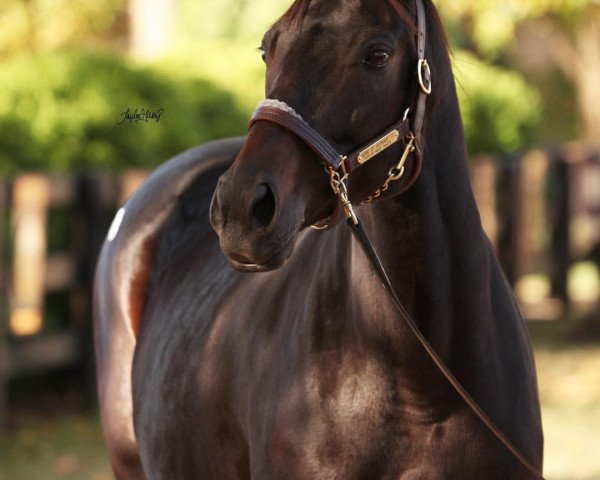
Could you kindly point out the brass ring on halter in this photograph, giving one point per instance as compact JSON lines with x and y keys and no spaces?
{"x":323,"y":226}
{"x":424,"y":65}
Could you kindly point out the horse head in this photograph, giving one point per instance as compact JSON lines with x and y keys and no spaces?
{"x":347,"y":68}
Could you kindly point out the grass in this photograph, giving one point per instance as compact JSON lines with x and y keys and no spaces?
{"x":65,"y":449}
{"x":569,"y":379}
{"x":568,"y":362}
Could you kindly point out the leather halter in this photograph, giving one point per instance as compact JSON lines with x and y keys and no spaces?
{"x":340,"y":167}
{"x":279,"y":112}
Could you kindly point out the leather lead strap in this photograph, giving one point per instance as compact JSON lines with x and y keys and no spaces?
{"x":369,"y":251}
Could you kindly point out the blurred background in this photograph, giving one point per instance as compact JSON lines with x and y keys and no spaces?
{"x":528,"y":73}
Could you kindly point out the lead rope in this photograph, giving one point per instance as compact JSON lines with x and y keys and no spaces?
{"x":338,"y":185}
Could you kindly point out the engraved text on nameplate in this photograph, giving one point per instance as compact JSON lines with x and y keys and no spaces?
{"x":378,"y":147}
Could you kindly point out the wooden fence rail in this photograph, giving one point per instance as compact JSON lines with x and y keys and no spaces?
{"x":541,"y":211}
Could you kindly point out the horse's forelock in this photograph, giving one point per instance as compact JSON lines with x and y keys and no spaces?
{"x":299,"y":9}
{"x":405,"y":15}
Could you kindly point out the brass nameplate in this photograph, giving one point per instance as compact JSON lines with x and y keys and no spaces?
{"x":378,"y":147}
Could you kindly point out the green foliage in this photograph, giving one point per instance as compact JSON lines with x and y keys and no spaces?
{"x":500,"y":110}
{"x":60,"y":112}
{"x":491,"y":25}
{"x":240,"y":20}
{"x":235,"y":66}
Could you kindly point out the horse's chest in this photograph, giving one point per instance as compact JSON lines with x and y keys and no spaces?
{"x":331,"y":419}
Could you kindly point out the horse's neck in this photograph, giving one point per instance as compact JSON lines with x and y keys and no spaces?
{"x":431,"y":242}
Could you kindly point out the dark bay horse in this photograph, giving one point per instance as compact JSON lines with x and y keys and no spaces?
{"x":295,"y":364}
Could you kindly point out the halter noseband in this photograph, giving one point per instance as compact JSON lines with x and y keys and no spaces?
{"x":341,"y":166}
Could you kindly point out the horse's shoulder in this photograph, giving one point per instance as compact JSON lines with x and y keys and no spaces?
{"x":121,"y":283}
{"x":125,"y":262}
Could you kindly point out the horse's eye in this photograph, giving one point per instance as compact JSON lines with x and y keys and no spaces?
{"x":377,"y":58}
{"x":263,"y":53}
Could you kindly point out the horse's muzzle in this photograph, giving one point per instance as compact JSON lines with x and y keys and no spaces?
{"x":245,"y":215}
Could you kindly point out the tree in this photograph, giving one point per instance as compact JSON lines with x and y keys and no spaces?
{"x":39,"y":25}
{"x":571,"y":30}
{"x":151,"y":27}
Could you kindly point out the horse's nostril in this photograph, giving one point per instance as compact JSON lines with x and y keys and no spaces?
{"x":263,"y":208}
{"x":218,"y":218}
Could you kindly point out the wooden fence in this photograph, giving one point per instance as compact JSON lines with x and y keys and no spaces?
{"x":51,"y":230}
{"x":541,"y":211}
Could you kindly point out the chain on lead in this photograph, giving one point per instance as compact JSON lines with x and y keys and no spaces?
{"x":340,"y":189}
{"x":397,"y":171}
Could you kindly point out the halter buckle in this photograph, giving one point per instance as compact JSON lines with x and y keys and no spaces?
{"x":397,"y":171}
{"x":424,"y":73}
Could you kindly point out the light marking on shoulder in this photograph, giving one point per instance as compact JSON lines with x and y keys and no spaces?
{"x":115,"y":225}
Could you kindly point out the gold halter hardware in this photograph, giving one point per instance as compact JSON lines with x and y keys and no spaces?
{"x":339,"y":187}
{"x":423,"y":67}
{"x":397,"y":171}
